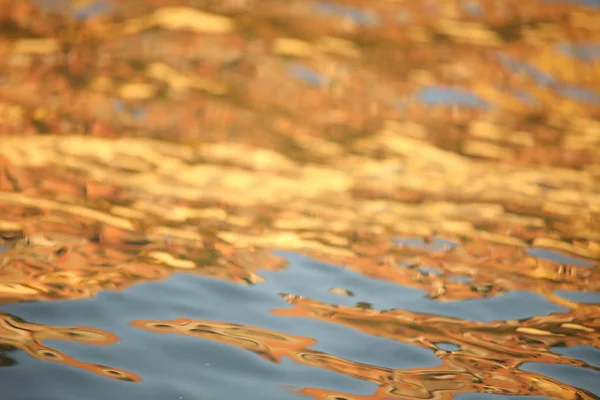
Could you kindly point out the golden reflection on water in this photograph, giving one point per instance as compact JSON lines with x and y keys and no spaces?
{"x":18,"y":334}
{"x":157,"y":138}
{"x":486,"y":361}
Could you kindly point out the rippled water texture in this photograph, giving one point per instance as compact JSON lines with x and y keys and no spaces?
{"x":265,"y":199}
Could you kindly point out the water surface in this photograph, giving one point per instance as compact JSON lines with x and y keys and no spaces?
{"x":305,"y":199}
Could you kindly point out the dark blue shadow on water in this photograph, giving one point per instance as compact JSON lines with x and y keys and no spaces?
{"x":590,"y":355}
{"x":581,"y":378}
{"x":558,"y":257}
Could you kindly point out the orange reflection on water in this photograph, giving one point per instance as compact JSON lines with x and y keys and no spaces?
{"x":487,"y":361}
{"x":18,"y":334}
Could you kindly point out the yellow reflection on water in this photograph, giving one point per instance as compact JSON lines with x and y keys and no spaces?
{"x":18,"y":334}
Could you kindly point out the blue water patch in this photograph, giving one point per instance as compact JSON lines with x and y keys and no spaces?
{"x":173,"y":365}
{"x":2,"y":248}
{"x":430,"y":270}
{"x":488,"y":396}
{"x":446,"y":242}
{"x":311,"y":278}
{"x":543,"y":79}
{"x":461,"y":279}
{"x":194,"y":366}
{"x":509,"y":306}
{"x":356,"y":15}
{"x":581,"y":378}
{"x":525,"y":97}
{"x":588,"y":354}
{"x":118,"y":105}
{"x":521,"y":67}
{"x":447,"y":346}
{"x":580,"y":297}
{"x":587,"y":52}
{"x":589,"y":3}
{"x":139,"y":113}
{"x":92,"y":10}
{"x":307,"y":277}
{"x":579,"y":94}
{"x":307,"y":75}
{"x":472,"y":8}
{"x":446,"y":96}
{"x":558,"y":257}
{"x":81,"y":12}
{"x":52,"y":5}
{"x":366,"y":348}
{"x":436,"y":244}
